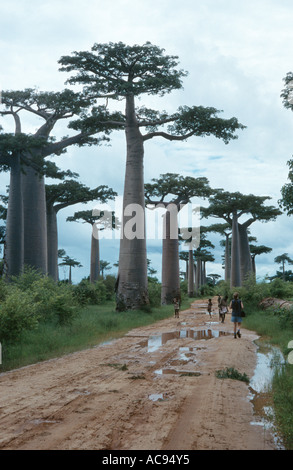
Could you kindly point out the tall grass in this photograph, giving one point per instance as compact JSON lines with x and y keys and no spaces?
{"x":92,"y":326}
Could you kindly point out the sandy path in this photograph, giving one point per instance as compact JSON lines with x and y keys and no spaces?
{"x":87,"y":401}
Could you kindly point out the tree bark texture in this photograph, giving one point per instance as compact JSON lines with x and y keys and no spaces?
{"x":170,"y":259}
{"x":190,"y":275}
{"x":35,"y":220}
{"x":52,"y":243}
{"x":14,"y":250}
{"x":245,"y":255}
{"x":227,"y":259}
{"x":132,"y":289}
{"x":95,"y":257}
{"x":235,"y":280}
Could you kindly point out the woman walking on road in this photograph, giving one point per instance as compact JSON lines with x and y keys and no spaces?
{"x":236,"y":306}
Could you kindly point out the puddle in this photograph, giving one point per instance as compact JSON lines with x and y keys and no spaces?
{"x":177,"y":372}
{"x":155,"y":342}
{"x":259,"y":386}
{"x":44,"y":421}
{"x":157,"y":396}
{"x":265,"y":369}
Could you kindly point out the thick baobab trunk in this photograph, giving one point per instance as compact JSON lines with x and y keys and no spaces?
{"x":190,"y":275}
{"x":245,"y":255}
{"x":227,"y":259}
{"x":35,"y":220}
{"x":52,"y":243}
{"x":95,"y":256}
{"x":198,"y":275}
{"x":253,"y":266}
{"x":14,"y":224}
{"x":235,"y":280}
{"x":132,"y":289}
{"x":170,"y":257}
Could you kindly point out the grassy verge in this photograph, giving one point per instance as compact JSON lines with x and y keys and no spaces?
{"x":93,"y":325}
{"x":272,"y":330}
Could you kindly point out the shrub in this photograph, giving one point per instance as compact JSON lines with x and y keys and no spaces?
{"x":109,"y":283}
{"x":18,"y":312}
{"x":87,"y":293}
{"x":281,"y":289}
{"x":154,"y":289}
{"x":63,"y":309}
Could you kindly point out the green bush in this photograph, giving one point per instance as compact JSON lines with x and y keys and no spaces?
{"x":281,"y":289}
{"x":87,"y":293}
{"x":154,"y":289}
{"x":63,"y":309}
{"x":18,"y":312}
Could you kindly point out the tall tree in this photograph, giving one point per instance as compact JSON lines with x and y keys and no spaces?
{"x":62,"y":195}
{"x":284,"y":258}
{"x":97,"y":223}
{"x":224,"y":229}
{"x":178,"y":190}
{"x":24,"y":154}
{"x":257,"y":250}
{"x":72,"y":263}
{"x":117,"y":71}
{"x":231,"y":207}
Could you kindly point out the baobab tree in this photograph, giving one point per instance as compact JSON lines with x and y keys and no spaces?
{"x":226,"y":231}
{"x":284,"y":258}
{"x":58,"y":197}
{"x":116,"y":71}
{"x":231,"y":207}
{"x":97,"y":223}
{"x":178,"y":190}
{"x":257,"y":250}
{"x":24,"y":155}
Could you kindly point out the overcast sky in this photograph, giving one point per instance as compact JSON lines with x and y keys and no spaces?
{"x":236,"y":53}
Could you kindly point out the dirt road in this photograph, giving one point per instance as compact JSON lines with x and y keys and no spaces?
{"x":154,"y":389}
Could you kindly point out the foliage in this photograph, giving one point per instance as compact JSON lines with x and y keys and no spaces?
{"x":18,"y":312}
{"x":231,"y":373}
{"x":87,"y":293}
{"x":154,"y":288}
{"x":285,"y":317}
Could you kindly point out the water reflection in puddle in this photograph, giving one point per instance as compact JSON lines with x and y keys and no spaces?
{"x":260,"y":384}
{"x":156,"y":396}
{"x":154,"y":342}
{"x":177,"y":372}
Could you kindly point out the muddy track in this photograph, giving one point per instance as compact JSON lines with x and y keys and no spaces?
{"x":153,"y":389}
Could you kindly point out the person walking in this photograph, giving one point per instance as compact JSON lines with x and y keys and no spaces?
{"x":223,"y":308}
{"x":176,"y":307}
{"x":236,"y":307}
{"x":210,"y":306}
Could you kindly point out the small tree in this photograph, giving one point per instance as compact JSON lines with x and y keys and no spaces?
{"x":284,"y":258}
{"x":72,"y":263}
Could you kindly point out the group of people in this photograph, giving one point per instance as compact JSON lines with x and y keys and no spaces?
{"x":236,"y":307}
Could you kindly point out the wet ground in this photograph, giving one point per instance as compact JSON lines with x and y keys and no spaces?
{"x":154,"y":389}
